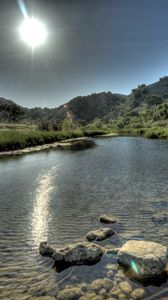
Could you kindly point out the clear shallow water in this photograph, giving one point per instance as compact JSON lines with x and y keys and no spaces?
{"x":58,"y":196}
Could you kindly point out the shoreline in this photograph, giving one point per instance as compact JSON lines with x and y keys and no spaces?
{"x":107,"y":135}
{"x":67,"y":143}
{"x":63,"y":144}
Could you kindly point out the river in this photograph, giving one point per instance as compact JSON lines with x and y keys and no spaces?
{"x":59,"y":195}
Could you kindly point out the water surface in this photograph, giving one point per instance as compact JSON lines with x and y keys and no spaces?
{"x":59,"y":195}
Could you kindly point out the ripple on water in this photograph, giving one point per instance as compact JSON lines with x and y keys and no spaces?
{"x":59,"y":197}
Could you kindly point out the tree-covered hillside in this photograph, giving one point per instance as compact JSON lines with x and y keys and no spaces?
{"x":146,"y":106}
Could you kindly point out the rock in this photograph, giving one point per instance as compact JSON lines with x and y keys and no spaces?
{"x":42,"y":298}
{"x":46,"y":250}
{"x":76,"y":254}
{"x":73,"y":293}
{"x":98,"y":297}
{"x":120,"y":274}
{"x":102,"y":292}
{"x":99,"y":234}
{"x":138,"y":294}
{"x":8,"y":295}
{"x":111,"y":267}
{"x":125,"y":287}
{"x":107,"y":219}
{"x":99,"y":284}
{"x":83,"y":286}
{"x":116,"y":281}
{"x":88,"y":296}
{"x":121,"y":297}
{"x":166,"y":268}
{"x":110,"y":273}
{"x":146,"y":259}
{"x":115,"y":292}
{"x":112,"y":251}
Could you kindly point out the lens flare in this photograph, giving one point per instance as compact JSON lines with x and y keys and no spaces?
{"x":23,"y":8}
{"x":134,"y":267}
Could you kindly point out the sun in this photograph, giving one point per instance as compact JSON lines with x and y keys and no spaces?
{"x":33,"y":32}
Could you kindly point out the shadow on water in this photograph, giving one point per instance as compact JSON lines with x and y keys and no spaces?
{"x":63,"y":266}
{"x":155,"y":281}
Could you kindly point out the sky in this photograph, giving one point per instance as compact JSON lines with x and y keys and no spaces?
{"x":92,"y":46}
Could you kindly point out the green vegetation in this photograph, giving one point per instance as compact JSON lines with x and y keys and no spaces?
{"x":17,"y":126}
{"x":151,"y":133}
{"x":19,"y":139}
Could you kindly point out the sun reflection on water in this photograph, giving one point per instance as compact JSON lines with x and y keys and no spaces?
{"x":40,"y":216}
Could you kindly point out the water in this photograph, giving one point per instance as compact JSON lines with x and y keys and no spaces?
{"x":58,"y":196}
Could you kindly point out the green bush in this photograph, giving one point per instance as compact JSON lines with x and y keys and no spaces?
{"x":153,"y":100}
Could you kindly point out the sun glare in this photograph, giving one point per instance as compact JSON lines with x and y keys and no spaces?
{"x":33,"y":32}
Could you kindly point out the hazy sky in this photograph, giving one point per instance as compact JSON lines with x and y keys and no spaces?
{"x":92,"y":46}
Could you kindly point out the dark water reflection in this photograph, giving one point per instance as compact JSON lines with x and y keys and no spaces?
{"x":58,"y":196}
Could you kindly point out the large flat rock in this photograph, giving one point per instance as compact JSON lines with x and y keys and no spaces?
{"x":75,"y":254}
{"x":147,"y":259}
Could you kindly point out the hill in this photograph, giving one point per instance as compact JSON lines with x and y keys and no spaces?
{"x":146,"y":105}
{"x":10,"y":111}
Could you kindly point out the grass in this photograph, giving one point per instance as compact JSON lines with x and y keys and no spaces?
{"x":151,"y":133}
{"x":17,"y":126}
{"x":15,"y":137}
{"x":20,"y":139}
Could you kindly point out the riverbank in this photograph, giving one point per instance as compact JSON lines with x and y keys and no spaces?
{"x":16,"y":142}
{"x":68,"y":144}
{"x":12,"y":140}
{"x":150,"y":133}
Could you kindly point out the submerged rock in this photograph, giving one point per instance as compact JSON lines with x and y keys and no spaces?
{"x":76,"y":254}
{"x":146,"y":259}
{"x":99,"y":284}
{"x":89,"y":296}
{"x":125,"y":287}
{"x":40,"y":298}
{"x":99,"y":234}
{"x":107,"y":219}
{"x":73,"y":293}
{"x":138,"y":293}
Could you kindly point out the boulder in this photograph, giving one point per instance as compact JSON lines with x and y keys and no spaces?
{"x":99,"y":234}
{"x":107,"y":219}
{"x":145,"y":259}
{"x":76,"y":254}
